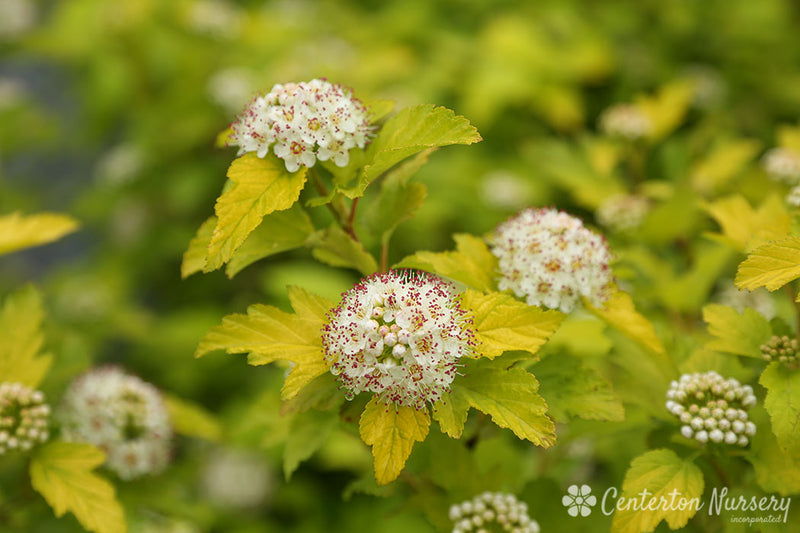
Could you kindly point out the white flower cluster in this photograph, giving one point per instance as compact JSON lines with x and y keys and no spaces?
{"x":782,"y":164}
{"x":23,"y":417}
{"x":303,"y":122}
{"x":782,"y":349}
{"x":712,"y":408}
{"x":622,"y":212}
{"x":492,"y":508}
{"x":398,"y":335}
{"x":236,"y":479}
{"x":123,"y":416}
{"x":550,"y":258}
{"x":626,"y":121}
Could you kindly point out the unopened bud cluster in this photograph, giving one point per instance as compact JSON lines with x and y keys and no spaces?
{"x":23,"y":417}
{"x":782,"y":164}
{"x":622,"y":212}
{"x":123,"y":416}
{"x":483,"y":511}
{"x":712,"y":408}
{"x":781,"y":349}
{"x":303,"y":122}
{"x":626,"y":121}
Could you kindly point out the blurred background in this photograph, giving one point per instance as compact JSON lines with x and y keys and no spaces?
{"x":109,"y":112}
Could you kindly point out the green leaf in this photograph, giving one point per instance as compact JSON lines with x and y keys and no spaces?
{"x":194,"y":258}
{"x":510,"y":397}
{"x":321,"y":393}
{"x":667,"y":108}
{"x":192,"y":420}
{"x":503,"y":323}
{"x":410,"y":131}
{"x":20,"y":330}
{"x":659,"y":472}
{"x":783,"y":405}
{"x":573,"y":389}
{"x":472,"y":263}
{"x":775,"y":471}
{"x":451,"y":413}
{"x":260,"y":187}
{"x":267,"y":334}
{"x":772,"y":265}
{"x":62,"y":473}
{"x":745,"y":228}
{"x":722,"y":164}
{"x":18,"y":231}
{"x":399,"y":200}
{"x":278,"y":232}
{"x":391,"y":431}
{"x":336,"y":248}
{"x":740,"y":334}
{"x":620,"y":313}
{"x":308,"y":431}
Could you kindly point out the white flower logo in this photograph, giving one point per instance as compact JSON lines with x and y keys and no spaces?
{"x":579,"y":500}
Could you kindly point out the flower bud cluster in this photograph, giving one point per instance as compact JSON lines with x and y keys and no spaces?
{"x":626,"y":121}
{"x":492,"y":508}
{"x":399,"y":335}
{"x":123,"y":416}
{"x":303,"y":122}
{"x":781,"y":349}
{"x":712,"y":408}
{"x":551,"y":259}
{"x":622,"y":212}
{"x":782,"y":164}
{"x":23,"y":417}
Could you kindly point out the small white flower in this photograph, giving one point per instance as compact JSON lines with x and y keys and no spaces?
{"x":492,"y":507}
{"x":719,"y":407}
{"x":410,"y":358}
{"x":551,"y":259}
{"x":123,"y":416}
{"x":24,"y":417}
{"x":622,"y":213}
{"x":303,"y":122}
{"x":626,"y":121}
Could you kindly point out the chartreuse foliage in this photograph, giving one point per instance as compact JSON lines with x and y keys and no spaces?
{"x":736,"y":333}
{"x":660,"y":472}
{"x":771,"y":265}
{"x":19,"y":231}
{"x":783,"y":405}
{"x":21,"y":357}
{"x":62,"y":473}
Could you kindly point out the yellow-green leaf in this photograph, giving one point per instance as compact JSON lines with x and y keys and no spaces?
{"x":511,"y":398}
{"x":783,"y":405}
{"x":741,"y":334}
{"x":62,"y":473}
{"x":745,"y":228}
{"x":451,"y":413}
{"x":260,"y":187}
{"x":772,"y":265}
{"x":278,"y":232}
{"x":194,"y":258}
{"x":392,"y":431}
{"x":336,"y":248}
{"x":19,"y":231}
{"x":659,"y":472}
{"x":472,"y":263}
{"x":20,"y":330}
{"x":775,"y":471}
{"x":667,"y":108}
{"x":192,"y":420}
{"x":503,"y":323}
{"x":620,"y":313}
{"x":412,"y":130}
{"x":267,"y":334}
{"x":722,"y":164}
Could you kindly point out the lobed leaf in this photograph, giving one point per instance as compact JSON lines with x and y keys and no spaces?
{"x":772,"y":265}
{"x":740,"y":334}
{"x":21,"y":332}
{"x":259,"y":187}
{"x":62,"y":473}
{"x":620,"y":313}
{"x":19,"y":231}
{"x":659,"y":472}
{"x":745,"y":228}
{"x":391,"y":431}
{"x":783,"y":405}
{"x":471,"y":263}
{"x":503,"y":323}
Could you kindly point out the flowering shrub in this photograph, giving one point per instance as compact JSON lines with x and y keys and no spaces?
{"x":488,"y":268}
